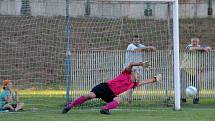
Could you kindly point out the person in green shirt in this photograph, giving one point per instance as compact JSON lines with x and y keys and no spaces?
{"x":8,"y":100}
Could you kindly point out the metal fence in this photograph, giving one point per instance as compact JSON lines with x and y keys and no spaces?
{"x":93,"y":67}
{"x":198,"y":69}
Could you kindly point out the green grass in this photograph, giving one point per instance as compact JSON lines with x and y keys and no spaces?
{"x":41,"y":106}
{"x":55,"y":100}
{"x":162,"y":114}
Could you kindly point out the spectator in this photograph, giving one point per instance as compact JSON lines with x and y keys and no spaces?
{"x":191,"y":68}
{"x":134,"y":53}
{"x":8,"y":100}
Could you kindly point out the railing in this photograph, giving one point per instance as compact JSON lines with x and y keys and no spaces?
{"x":93,"y":67}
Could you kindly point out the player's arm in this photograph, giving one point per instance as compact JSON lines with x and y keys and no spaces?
{"x":16,"y":96}
{"x":156,"y":78}
{"x":8,"y":99}
{"x":206,"y":49}
{"x":151,"y":48}
{"x":145,"y":48}
{"x":147,"y":81}
{"x":143,"y":64}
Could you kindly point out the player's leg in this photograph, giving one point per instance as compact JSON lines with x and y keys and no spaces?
{"x":82,"y":99}
{"x":79,"y":101}
{"x":97,"y":92}
{"x":8,"y":107}
{"x":19,"y":106}
{"x":183,"y":85}
{"x":111,"y":105}
{"x":196,"y":81}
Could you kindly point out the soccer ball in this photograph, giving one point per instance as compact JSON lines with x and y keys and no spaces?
{"x":191,"y":91}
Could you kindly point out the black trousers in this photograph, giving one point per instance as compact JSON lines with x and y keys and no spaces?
{"x":188,"y":79}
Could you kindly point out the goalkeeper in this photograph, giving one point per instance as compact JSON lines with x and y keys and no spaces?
{"x":110,"y":90}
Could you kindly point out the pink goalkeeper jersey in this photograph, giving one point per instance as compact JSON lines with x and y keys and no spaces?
{"x":122,"y":83}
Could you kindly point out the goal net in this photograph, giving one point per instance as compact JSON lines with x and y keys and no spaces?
{"x":100,"y":40}
{"x":37,"y":37}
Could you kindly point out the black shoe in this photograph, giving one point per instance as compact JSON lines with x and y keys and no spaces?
{"x":184,"y":100}
{"x":65,"y":110}
{"x":195,"y":100}
{"x":106,"y":112}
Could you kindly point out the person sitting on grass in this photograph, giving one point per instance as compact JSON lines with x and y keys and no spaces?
{"x":8,"y":100}
{"x":109,"y":91}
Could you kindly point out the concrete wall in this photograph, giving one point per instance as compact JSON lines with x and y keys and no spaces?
{"x":107,"y":9}
{"x":10,"y":7}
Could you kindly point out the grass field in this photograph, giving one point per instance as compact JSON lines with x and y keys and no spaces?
{"x":162,"y":114}
{"x":47,"y":106}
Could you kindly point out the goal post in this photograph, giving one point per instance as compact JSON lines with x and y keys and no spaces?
{"x":176,"y":54}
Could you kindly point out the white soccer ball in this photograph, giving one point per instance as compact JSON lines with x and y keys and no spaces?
{"x":191,"y":91}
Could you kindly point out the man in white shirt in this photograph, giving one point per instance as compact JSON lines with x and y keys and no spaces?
{"x":134,"y":53}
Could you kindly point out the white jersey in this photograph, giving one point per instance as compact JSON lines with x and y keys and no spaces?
{"x":133,"y":56}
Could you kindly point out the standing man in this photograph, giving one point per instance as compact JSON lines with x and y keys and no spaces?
{"x":134,"y":53}
{"x":192,"y":67}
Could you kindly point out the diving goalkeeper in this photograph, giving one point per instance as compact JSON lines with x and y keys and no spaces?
{"x":109,"y":90}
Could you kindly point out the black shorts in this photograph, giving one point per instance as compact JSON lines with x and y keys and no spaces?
{"x":103,"y":91}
